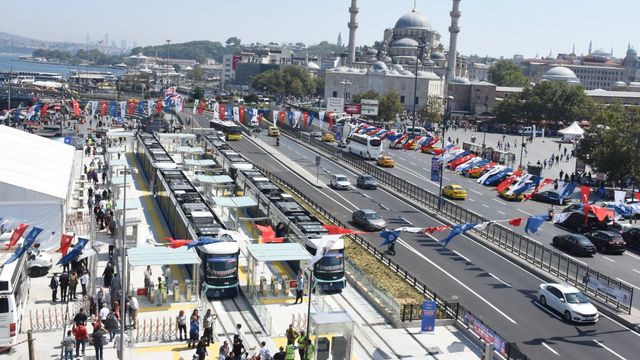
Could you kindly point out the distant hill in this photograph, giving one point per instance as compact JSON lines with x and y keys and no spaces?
{"x":17,"y":43}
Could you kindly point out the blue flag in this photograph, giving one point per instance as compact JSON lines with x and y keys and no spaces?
{"x":229,"y":112}
{"x":311,"y":118}
{"x":17,"y":114}
{"x":568,"y":190}
{"x":290,"y":117}
{"x":28,"y":242}
{"x":393,"y":137}
{"x":249,"y":114}
{"x":455,"y":231}
{"x":389,"y":236}
{"x":112,"y":109}
{"x":533,"y":223}
{"x":141,"y":105}
{"x":203,"y":240}
{"x":75,"y":252}
{"x":601,"y":192}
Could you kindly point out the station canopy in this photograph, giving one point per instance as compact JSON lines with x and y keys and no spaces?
{"x":160,"y":255}
{"x":234,"y":201}
{"x":278,"y":252}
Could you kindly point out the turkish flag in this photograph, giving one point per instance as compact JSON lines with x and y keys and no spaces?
{"x":222,"y":110}
{"x":65,"y":242}
{"x":281,"y":115}
{"x":17,"y":233}
{"x":515,"y":222}
{"x":305,"y":118}
{"x":159,"y":106}
{"x":103,"y":108}
{"x":241,"y":114}
{"x":584,"y":192}
{"x":259,"y":118}
{"x":637,"y":195}
{"x":201,"y":107}
{"x":132,"y":107}
{"x":432,"y":229}
{"x":76,"y":107}
{"x":602,"y":213}
{"x":330,"y":121}
{"x":335,"y":230}
{"x":45,"y":110}
{"x":508,"y":181}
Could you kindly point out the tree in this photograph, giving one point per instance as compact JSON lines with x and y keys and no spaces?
{"x":369,"y":94}
{"x":198,"y":93}
{"x":198,"y":73}
{"x":389,"y":106}
{"x":431,"y":111}
{"x":233,"y":41}
{"x":289,"y":80}
{"x":176,"y":67}
{"x":507,"y":73}
{"x":610,"y":145}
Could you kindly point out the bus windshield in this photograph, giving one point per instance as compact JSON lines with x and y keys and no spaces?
{"x":222,"y":266}
{"x":234,"y":130}
{"x":331,"y":261}
{"x":375,"y":142}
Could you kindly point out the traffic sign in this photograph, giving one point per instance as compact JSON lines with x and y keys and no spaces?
{"x":369,"y":107}
{"x":318,"y":160}
{"x":335,"y":104}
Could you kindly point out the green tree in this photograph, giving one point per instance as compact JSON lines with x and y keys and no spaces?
{"x":233,"y":41}
{"x":389,"y":106}
{"x":176,"y":67}
{"x":369,"y":94}
{"x":289,"y":80}
{"x":198,"y":93}
{"x":198,"y":73}
{"x":431,"y":111}
{"x":507,"y":73}
{"x":610,"y":144}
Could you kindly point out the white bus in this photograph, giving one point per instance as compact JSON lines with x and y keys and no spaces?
{"x":417,"y":130}
{"x":368,"y":147}
{"x":14,"y":290}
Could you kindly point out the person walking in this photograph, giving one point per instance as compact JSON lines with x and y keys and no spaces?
{"x":100,"y":298}
{"x":107,"y":274}
{"x":64,"y":286}
{"x":81,"y":317}
{"x":207,"y":323}
{"x":224,"y":351}
{"x":104,"y":313}
{"x":181,"y":321}
{"x":116,"y":287}
{"x":97,"y":339}
{"x":84,"y":282}
{"x":112,"y":325}
{"x":53,"y":285}
{"x":68,"y":343}
{"x":160,"y":291}
{"x":302,"y":343}
{"x":147,"y":277}
{"x":194,"y":331}
{"x":281,"y":354}
{"x":264,"y":351}
{"x":290,"y":353}
{"x":201,"y":350}
{"x":299,"y":287}
{"x":310,"y":350}
{"x":80,"y":334}
{"x":291,"y":334}
{"x":133,"y":310}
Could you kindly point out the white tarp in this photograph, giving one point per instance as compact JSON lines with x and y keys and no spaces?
{"x":572,"y":132}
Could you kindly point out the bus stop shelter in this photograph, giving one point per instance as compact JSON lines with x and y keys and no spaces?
{"x":258,"y":255}
{"x":229,"y":207}
{"x":216,"y":185}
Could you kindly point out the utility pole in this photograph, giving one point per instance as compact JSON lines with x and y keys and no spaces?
{"x":32,"y":350}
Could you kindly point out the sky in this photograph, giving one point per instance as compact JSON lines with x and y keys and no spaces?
{"x":488,"y":27}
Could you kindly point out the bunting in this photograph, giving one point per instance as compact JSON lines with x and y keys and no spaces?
{"x":584,"y":193}
{"x":75,"y":252}
{"x":534,"y":223}
{"x":76,"y":107}
{"x":203,"y":240}
{"x":326,"y":243}
{"x":17,"y":233}
{"x":455,"y":231}
{"x":389,"y":236}
{"x":28,"y":242}
{"x":65,"y":242}
{"x":174,"y":244}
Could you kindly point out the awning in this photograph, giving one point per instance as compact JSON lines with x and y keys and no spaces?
{"x":153,"y":256}
{"x":215,"y":179}
{"x":132,"y":204}
{"x":119,"y":162}
{"x":119,"y":180}
{"x":204,"y":162}
{"x":234,"y":201}
{"x":190,"y":150}
{"x":278,"y":252}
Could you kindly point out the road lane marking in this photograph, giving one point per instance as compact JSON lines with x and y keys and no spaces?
{"x":489,"y":303}
{"x":638,"y":271}
{"x":405,"y":220}
{"x":498,"y":201}
{"x":425,"y":169}
{"x":476,"y":191}
{"x":608,"y":349}
{"x":633,"y":256}
{"x":497,"y":278}
{"x":472,"y":200}
{"x":501,"y":213}
{"x":384,"y":207}
{"x":540,"y":306}
{"x":485,"y":205}
{"x":628,"y":283}
{"x":576,"y":260}
{"x":462,"y":256}
{"x":607,"y":258}
{"x":549,"y":348}
{"x":414,"y":164}
{"x":524,"y":212}
{"x":446,"y":178}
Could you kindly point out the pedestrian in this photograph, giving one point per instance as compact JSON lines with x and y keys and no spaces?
{"x":68,"y":343}
{"x":116,"y":340}
{"x":544,"y":163}
{"x":181,"y":321}
{"x":147,"y":277}
{"x":557,"y":159}
{"x":237,"y":348}
{"x":299,"y":287}
{"x":559,"y":146}
{"x":280,"y":355}
{"x":310,"y":350}
{"x":84,"y":282}
{"x":160,"y":292}
{"x":239,"y":334}
{"x":207,"y":323}
{"x":107,"y":274}
{"x":201,"y":350}
{"x":561,"y":174}
{"x":80,"y":334}
{"x":291,"y":334}
{"x":194,"y":331}
{"x":302,"y":343}
{"x":97,"y":339}
{"x":525,"y":152}
{"x":53,"y":285}
{"x":290,"y":353}
{"x":112,"y":324}
{"x":64,"y":285}
{"x":133,"y":310}
{"x":116,"y":287}
{"x":224,"y":351}
{"x":81,"y":317}
{"x":103,"y":313}
{"x":264,"y":351}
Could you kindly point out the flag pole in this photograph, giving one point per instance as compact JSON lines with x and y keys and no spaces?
{"x":306,"y":352}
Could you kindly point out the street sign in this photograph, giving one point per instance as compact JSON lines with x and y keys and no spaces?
{"x":335,"y":104}
{"x":435,"y":169}
{"x":318,"y":160}
{"x":428,"y":316}
{"x":352,"y":109}
{"x":369,"y":107}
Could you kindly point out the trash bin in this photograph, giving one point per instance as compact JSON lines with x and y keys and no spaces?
{"x":322,"y":349}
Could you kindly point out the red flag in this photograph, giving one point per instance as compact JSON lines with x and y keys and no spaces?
{"x":65,"y":242}
{"x":305,"y":118}
{"x":330,"y":121}
{"x":268,"y":235}
{"x":201,"y":107}
{"x":259,"y":118}
{"x":103,"y":108}
{"x":543,"y":183}
{"x":222,"y":110}
{"x":76,"y":107}
{"x":432,"y":229}
{"x":159,"y":106}
{"x":241,"y":114}
{"x":515,"y":222}
{"x":132,"y":107}
{"x":637,"y":195}
{"x":335,"y":230}
{"x":508,"y":181}
{"x":585,"y":191}
{"x":17,"y":233}
{"x":174,"y":244}
{"x":602,"y":213}
{"x":281,"y":115}
{"x":44,"y":111}
{"x":408,"y":144}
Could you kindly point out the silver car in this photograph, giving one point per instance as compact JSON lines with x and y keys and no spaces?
{"x":368,"y":220}
{"x":340,"y":182}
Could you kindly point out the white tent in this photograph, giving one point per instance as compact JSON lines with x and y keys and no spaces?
{"x":35,"y":179}
{"x":572,"y":132}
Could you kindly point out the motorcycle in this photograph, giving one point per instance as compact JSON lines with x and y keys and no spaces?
{"x":277,"y":141}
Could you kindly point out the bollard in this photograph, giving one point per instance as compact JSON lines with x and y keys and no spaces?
{"x":262,"y":291}
{"x":488,"y":351}
{"x":176,"y":291}
{"x":152,"y":293}
{"x":188,"y":289}
{"x":274,"y":286}
{"x":285,"y":285}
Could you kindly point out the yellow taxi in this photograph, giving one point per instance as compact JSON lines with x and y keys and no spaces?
{"x":386,"y":161}
{"x":429,"y":150}
{"x":511,"y":197}
{"x":328,"y":137}
{"x":274,"y":131}
{"x":413,"y":146}
{"x":454,"y":191}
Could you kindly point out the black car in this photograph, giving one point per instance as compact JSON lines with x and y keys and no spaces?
{"x":607,"y":241}
{"x":549,"y":197}
{"x":632,"y":237}
{"x":575,"y":222}
{"x":366,"y":181}
{"x":574,"y":244}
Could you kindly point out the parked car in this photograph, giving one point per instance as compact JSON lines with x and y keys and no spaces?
{"x":510,"y":197}
{"x":454,"y":191}
{"x":386,"y":161}
{"x":568,"y":301}
{"x":574,"y":244}
{"x":631,"y":236}
{"x":607,"y":241}
{"x":340,"y":182}
{"x":328,"y":137}
{"x":316,"y":134}
{"x":549,"y":197}
{"x":368,"y":220}
{"x":366,"y":181}
{"x":274,"y":131}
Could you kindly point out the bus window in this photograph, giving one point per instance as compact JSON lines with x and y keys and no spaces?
{"x":4,"y":305}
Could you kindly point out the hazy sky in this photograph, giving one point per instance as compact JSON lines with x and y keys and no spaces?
{"x":493,"y":27}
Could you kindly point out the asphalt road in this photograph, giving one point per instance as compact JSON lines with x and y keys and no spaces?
{"x":499,"y":292}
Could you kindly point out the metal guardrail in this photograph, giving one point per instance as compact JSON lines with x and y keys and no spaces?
{"x":612,"y":292}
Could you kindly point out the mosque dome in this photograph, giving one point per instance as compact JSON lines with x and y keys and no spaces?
{"x":405,"y":42}
{"x":601,"y":53}
{"x":620,"y":83}
{"x":429,"y":63}
{"x":397,"y":67}
{"x":413,"y":20}
{"x":460,"y":81}
{"x":428,"y":75}
{"x":560,"y":73}
{"x":436,"y":55}
{"x":379,"y":67}
{"x":372,"y":51}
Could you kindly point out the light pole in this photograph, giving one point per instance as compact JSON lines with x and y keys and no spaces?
{"x":168,"y":43}
{"x":522,"y":140}
{"x":447,"y":113}
{"x":346,"y":83}
{"x":419,"y":52}
{"x":123,"y":262}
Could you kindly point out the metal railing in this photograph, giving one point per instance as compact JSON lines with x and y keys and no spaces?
{"x":606,"y":289}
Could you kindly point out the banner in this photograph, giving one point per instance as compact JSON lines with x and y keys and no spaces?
{"x":435,"y":169}
{"x":485,"y":333}
{"x":619,"y":294}
{"x":428,"y":316}
{"x":123,"y":109}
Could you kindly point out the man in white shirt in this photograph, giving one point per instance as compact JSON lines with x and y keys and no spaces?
{"x":264,"y":352}
{"x":84,"y":281}
{"x":103,"y":313}
{"x":133,"y":310}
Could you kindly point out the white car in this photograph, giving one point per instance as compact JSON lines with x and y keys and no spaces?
{"x":340,"y":182}
{"x":568,"y":301}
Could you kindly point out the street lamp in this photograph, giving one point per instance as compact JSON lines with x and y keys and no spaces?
{"x":447,"y":114}
{"x":168,"y":43}
{"x":419,"y":53}
{"x":346,"y":83}
{"x":522,"y":140}
{"x":123,"y":262}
